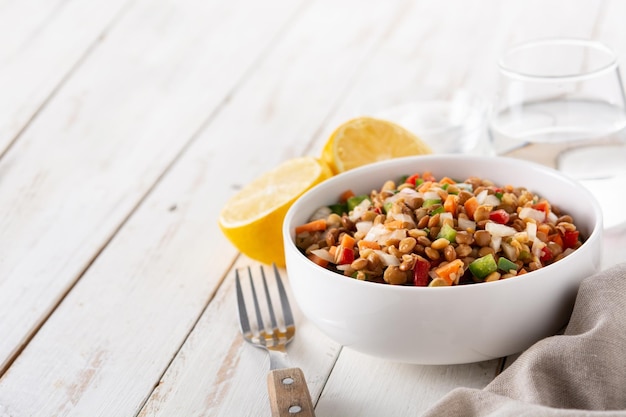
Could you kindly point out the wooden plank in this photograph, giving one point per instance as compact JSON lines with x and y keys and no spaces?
{"x":102,"y":142}
{"x":216,"y":373}
{"x":145,"y":291}
{"x":42,"y":43}
{"x":365,"y":386}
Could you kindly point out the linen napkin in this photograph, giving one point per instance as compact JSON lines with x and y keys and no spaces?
{"x":579,"y":373}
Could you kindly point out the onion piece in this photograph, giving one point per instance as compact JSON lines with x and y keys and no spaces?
{"x":499,"y":230}
{"x":321,"y":213}
{"x":482,"y":196}
{"x":466,"y":224}
{"x":537,"y":247}
{"x":375,"y":233}
{"x":445,"y":216}
{"x":495,"y":243}
{"x":531,"y":213}
{"x":432,"y":195}
{"x":403,"y":217}
{"x":387,"y":259}
{"x":491,"y":200}
{"x":409,"y":190}
{"x":509,"y":251}
{"x":398,"y":234}
{"x":364,"y":226}
{"x":552,"y":218}
{"x":531,"y":230}
{"x":324,"y":254}
{"x":358,"y":211}
{"x":465,"y":186}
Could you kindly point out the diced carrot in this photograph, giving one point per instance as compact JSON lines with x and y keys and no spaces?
{"x":394,"y":224}
{"x":556,"y":238}
{"x":347,"y":241}
{"x":447,"y":180}
{"x":346,"y":195}
{"x":451,"y":204}
{"x":425,"y":186}
{"x":320,"y":261}
{"x":450,"y":272}
{"x":470,"y":207}
{"x":333,"y":251}
{"x":428,"y":176}
{"x":313,"y":226}
{"x":367,"y":244}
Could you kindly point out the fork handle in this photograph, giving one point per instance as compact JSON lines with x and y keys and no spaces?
{"x":289,"y":393}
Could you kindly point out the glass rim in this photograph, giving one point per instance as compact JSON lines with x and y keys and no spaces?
{"x":585,"y":43}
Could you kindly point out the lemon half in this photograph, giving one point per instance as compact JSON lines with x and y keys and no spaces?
{"x":365,"y":140}
{"x":252,"y":219}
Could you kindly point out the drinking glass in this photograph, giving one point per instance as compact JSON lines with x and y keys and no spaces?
{"x":560,"y":102}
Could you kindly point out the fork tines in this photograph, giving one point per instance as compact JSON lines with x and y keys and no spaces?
{"x":260,"y":331}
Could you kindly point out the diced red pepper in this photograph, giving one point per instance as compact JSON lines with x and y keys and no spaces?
{"x":344,"y":255}
{"x":499,"y":216}
{"x":412,"y":179}
{"x":570,"y":239}
{"x":546,"y":255}
{"x":420,"y":272}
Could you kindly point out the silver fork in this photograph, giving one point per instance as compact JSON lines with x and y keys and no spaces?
{"x":288,"y":392}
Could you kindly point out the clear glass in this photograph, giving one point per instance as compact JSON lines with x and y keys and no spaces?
{"x":561,"y":103}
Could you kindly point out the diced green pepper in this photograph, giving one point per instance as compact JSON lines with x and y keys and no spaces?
{"x":437,"y":210}
{"x":447,"y":232}
{"x":524,"y":256}
{"x":432,"y":202}
{"x":355,"y":201}
{"x":506,"y":265}
{"x":387,"y":206}
{"x":484,"y":266}
{"x":339,"y":208}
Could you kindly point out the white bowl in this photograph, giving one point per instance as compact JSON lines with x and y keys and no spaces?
{"x":445,"y":325}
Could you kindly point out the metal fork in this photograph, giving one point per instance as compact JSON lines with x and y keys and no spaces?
{"x":288,"y":392}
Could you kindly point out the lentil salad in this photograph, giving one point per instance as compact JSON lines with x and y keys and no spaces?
{"x":424,"y":231}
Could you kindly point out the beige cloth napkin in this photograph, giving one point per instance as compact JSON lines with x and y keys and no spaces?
{"x":579,"y":373}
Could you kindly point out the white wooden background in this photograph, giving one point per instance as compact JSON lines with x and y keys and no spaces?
{"x":125,"y":125}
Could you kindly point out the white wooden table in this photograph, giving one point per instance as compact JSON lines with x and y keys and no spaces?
{"x":125,"y":125}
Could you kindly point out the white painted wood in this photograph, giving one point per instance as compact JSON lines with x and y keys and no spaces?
{"x":217,"y":373}
{"x":83,"y":165}
{"x":41,"y":43}
{"x":266,"y":81}
{"x":365,"y":386}
{"x":148,"y":287}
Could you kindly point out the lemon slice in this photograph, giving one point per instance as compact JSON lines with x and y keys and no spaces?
{"x":252,"y":219}
{"x":365,"y":140}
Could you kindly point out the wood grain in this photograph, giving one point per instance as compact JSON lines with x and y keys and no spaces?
{"x":288,"y":393}
{"x":124,"y":128}
{"x":42,"y":44}
{"x":107,"y":136}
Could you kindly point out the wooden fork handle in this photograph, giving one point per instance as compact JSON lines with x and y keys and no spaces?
{"x":289,"y":394}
